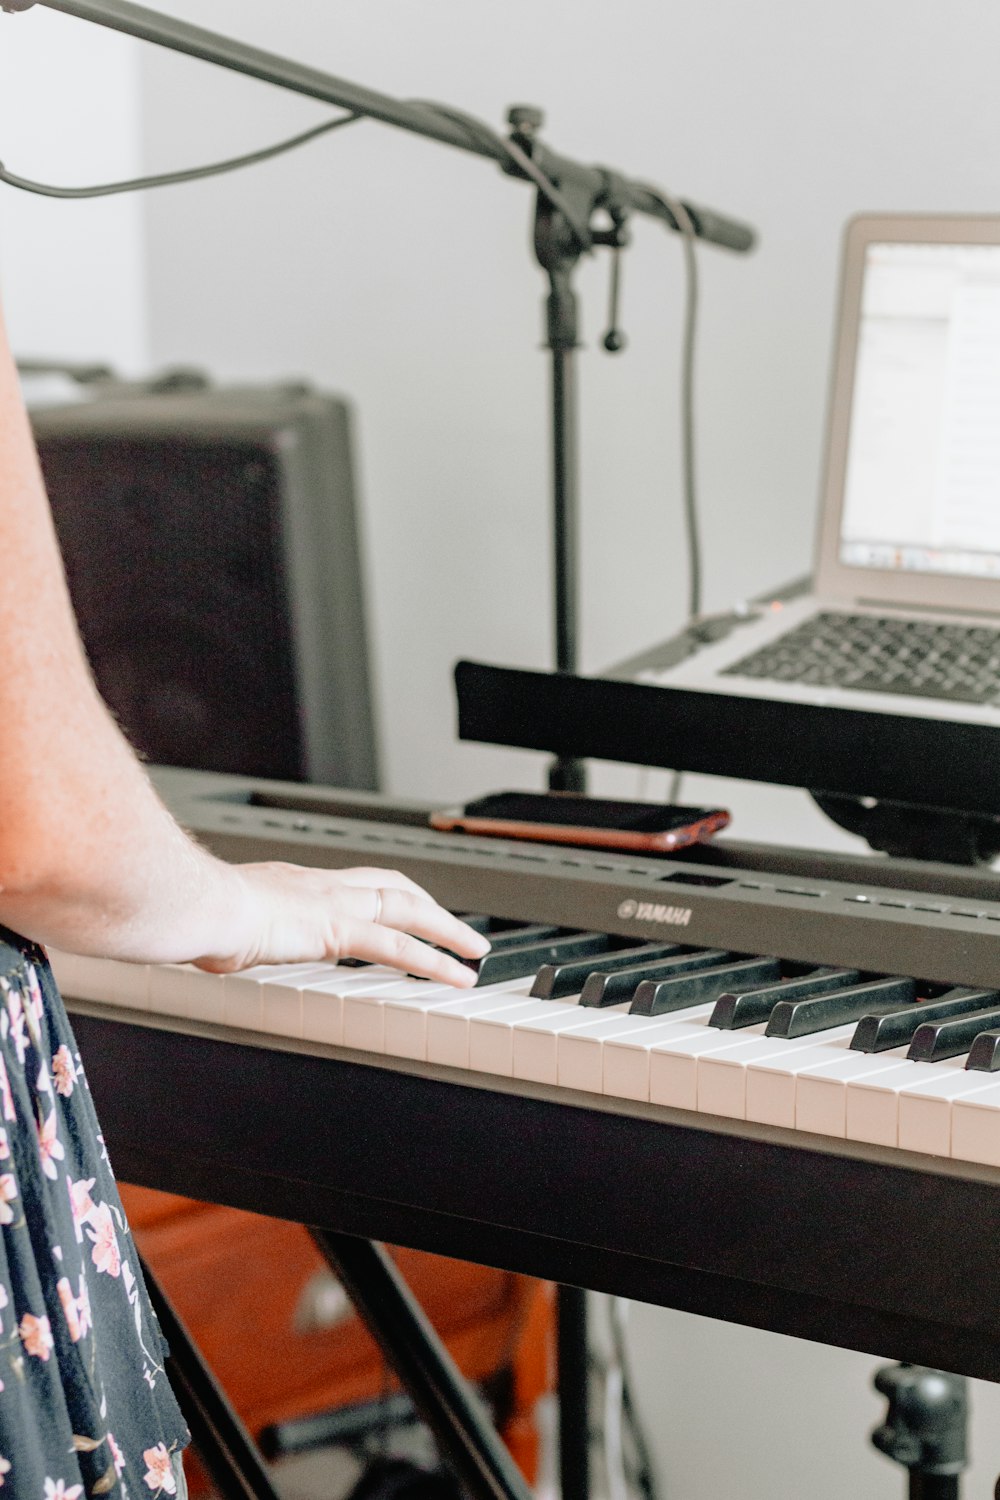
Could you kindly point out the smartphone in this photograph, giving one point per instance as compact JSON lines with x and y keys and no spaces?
{"x":568,"y":818}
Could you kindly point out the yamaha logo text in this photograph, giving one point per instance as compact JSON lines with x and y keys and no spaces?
{"x":649,"y":911}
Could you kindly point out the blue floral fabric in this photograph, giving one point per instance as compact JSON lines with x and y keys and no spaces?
{"x":85,"y":1406}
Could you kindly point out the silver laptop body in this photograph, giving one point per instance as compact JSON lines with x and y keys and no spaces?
{"x":908,"y":541}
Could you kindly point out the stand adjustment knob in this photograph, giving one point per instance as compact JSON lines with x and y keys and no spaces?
{"x":525,"y":119}
{"x":926,"y":1424}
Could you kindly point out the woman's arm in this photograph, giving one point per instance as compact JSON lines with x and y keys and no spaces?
{"x":90,"y":859}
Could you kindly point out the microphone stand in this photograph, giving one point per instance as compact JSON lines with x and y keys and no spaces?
{"x":569,"y":195}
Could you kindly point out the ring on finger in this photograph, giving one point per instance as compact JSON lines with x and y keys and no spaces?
{"x":377,"y":917}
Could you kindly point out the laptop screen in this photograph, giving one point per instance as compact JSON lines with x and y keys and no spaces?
{"x":922,"y":480}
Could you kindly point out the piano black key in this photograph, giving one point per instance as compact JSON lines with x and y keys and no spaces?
{"x":658,"y":997}
{"x":476,"y":921}
{"x":506,"y":928}
{"x":879,"y":1033}
{"x":555,"y":980}
{"x":522,"y":937}
{"x":750,"y":1007}
{"x":936,"y":1040}
{"x":793,"y":1018}
{"x":614,"y":989}
{"x":518,"y":962}
{"x":984,"y":1054}
{"x":504,"y":936}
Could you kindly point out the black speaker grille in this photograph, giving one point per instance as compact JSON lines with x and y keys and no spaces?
{"x":174,"y":554}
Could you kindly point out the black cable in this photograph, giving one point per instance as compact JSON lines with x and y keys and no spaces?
{"x":476,"y":128}
{"x":188,"y":174}
{"x":688,"y":456}
{"x":685,"y":227}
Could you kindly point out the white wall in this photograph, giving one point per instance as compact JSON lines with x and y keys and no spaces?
{"x":398,"y":271}
{"x":72,"y":274}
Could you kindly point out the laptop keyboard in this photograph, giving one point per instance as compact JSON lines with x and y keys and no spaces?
{"x":959,"y":663}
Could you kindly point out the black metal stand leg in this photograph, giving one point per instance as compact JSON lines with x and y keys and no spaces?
{"x":224,"y":1445}
{"x":561,"y":308}
{"x":566,"y":774}
{"x":924,"y":1428}
{"x":396,"y":1321}
{"x":933,"y":1486}
{"x":574,"y":1390}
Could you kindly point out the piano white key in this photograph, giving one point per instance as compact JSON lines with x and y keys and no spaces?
{"x":536,"y":1039}
{"x":975,"y":1124}
{"x":821,"y":1092}
{"x":873,"y":1101}
{"x":268,"y":973}
{"x":315,"y":1004}
{"x":363,"y":1028}
{"x":491,"y":1037}
{"x":722,"y":1075}
{"x":318,"y":999}
{"x":722,"y":1084}
{"x":128,"y":984}
{"x":282,"y":1003}
{"x":448,"y":1027}
{"x":667,"y":1073}
{"x":580,"y":1054}
{"x":171,"y":987}
{"x":102,"y":979}
{"x":69,"y":971}
{"x":406,"y":1020}
{"x":925,"y":1107}
{"x":771,"y":1080}
{"x":242,"y":1001}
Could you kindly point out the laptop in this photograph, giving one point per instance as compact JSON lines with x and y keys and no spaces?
{"x":903,"y":614}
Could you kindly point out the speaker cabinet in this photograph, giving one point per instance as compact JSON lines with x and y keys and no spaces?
{"x":210,"y":539}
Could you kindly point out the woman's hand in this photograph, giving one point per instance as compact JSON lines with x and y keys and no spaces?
{"x":291,"y":914}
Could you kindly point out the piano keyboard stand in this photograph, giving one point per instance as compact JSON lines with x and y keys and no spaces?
{"x":395,"y":1320}
{"x":573,"y":1386}
{"x":925,"y":1428}
{"x":397,"y":1323}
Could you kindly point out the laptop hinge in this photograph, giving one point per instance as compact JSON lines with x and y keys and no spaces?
{"x":924,"y":609}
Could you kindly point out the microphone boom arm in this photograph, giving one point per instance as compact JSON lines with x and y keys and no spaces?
{"x":421,"y":119}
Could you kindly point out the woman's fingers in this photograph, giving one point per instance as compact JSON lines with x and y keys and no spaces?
{"x":420,"y":915}
{"x":389,"y":932}
{"x":374,"y":879}
{"x":399,"y":950}
{"x":408,"y":908}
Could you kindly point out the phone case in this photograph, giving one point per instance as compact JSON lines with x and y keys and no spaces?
{"x":455,"y":820}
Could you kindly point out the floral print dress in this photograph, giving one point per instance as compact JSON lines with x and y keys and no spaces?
{"x":85,"y":1407}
